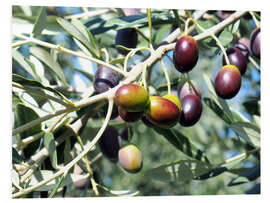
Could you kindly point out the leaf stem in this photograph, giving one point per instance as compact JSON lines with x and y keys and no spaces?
{"x":254,"y":63}
{"x":166,"y":75}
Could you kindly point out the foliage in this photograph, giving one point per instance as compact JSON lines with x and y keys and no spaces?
{"x":58,"y":115}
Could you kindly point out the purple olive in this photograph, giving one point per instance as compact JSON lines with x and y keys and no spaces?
{"x":126,"y":37}
{"x":185,"y":55}
{"x":236,"y":58}
{"x":191,"y":110}
{"x":110,"y":143}
{"x":228,"y":82}
{"x":243,"y":45}
{"x":255,"y":42}
{"x":105,"y":78}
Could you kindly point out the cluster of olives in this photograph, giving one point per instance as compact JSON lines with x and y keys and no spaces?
{"x":228,"y":79}
{"x":133,"y":102}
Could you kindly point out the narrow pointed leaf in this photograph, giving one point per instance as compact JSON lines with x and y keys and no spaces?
{"x":49,"y":143}
{"x":40,"y":22}
{"x":47,"y":59}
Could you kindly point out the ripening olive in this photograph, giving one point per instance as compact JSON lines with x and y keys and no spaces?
{"x":228,"y":82}
{"x":236,"y":58}
{"x":130,"y":158}
{"x":132,"y":97}
{"x":173,"y":98}
{"x":191,"y":110}
{"x":185,"y":55}
{"x":162,"y":112}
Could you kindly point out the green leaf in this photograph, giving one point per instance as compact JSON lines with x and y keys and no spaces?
{"x":33,"y":83}
{"x":23,"y":115}
{"x":40,"y":22}
{"x":235,"y":27}
{"x":248,"y":131}
{"x":47,"y":59}
{"x":248,"y":175}
{"x":98,"y":25}
{"x":78,"y":31}
{"x":160,"y":33}
{"x":182,"y":143}
{"x":17,"y":56}
{"x":217,"y":109}
{"x":252,"y":106}
{"x":15,"y":178}
{"x":16,"y":158}
{"x":41,"y":175}
{"x":225,"y":37}
{"x":49,"y":144}
{"x":183,"y":170}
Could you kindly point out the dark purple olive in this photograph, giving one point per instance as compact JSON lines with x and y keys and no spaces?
{"x":191,"y":110}
{"x":185,"y":55}
{"x":110,"y":143}
{"x":129,"y":116}
{"x":127,"y":133}
{"x":236,"y":58}
{"x":243,"y":45}
{"x":228,"y":82}
{"x":126,"y":37}
{"x":255,"y":42}
{"x":224,"y":14}
{"x":105,"y":78}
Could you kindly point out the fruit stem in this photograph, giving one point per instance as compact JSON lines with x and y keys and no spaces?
{"x":222,"y":48}
{"x":257,"y":23}
{"x":132,"y":53}
{"x":150,"y":26}
{"x":166,"y":75}
{"x":88,"y":167}
{"x":254,"y":63}
{"x":189,"y":83}
{"x":107,"y":56}
{"x":144,"y":77}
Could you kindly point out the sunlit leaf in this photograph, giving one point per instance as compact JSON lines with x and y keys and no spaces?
{"x":183,"y":170}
